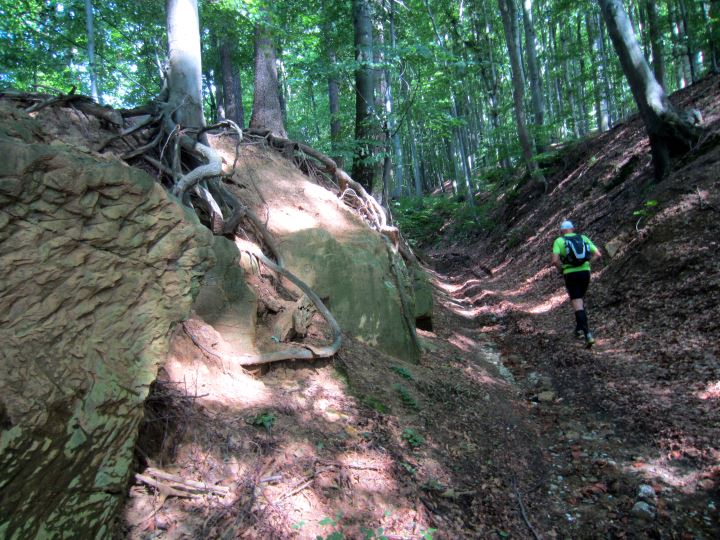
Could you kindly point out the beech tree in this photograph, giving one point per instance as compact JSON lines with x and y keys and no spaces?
{"x":267,"y":110}
{"x":184,"y":79}
{"x":509,"y":18}
{"x":437,"y":70}
{"x":362,"y":170}
{"x":670,"y":133}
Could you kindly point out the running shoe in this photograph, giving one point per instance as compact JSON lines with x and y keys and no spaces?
{"x":589,"y":340}
{"x":579,"y":334}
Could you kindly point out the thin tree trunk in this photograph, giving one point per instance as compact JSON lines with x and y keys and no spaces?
{"x":580,"y":79}
{"x":713,"y":16}
{"x":267,"y":112}
{"x":658,"y":62}
{"x":92,"y":68}
{"x":689,"y":41}
{"x":390,"y":110}
{"x":533,"y":72}
{"x":334,"y":103}
{"x":216,"y":102}
{"x":455,"y":112}
{"x":230,"y":83}
{"x":362,"y":170}
{"x":509,"y":14}
{"x":609,"y":99}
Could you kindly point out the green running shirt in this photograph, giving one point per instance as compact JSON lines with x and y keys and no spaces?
{"x":559,"y":249}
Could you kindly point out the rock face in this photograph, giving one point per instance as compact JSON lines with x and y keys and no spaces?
{"x":98,"y":264}
{"x":368,"y":288}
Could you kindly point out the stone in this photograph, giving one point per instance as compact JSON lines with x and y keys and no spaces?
{"x":85,"y":321}
{"x":646,"y":492}
{"x":368,"y":288}
{"x":547,"y":397}
{"x":225,"y":301}
{"x":643,"y":510}
{"x":614,"y":246}
{"x":354,"y":274}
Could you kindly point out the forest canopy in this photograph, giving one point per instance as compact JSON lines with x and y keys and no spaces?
{"x":413,"y":93}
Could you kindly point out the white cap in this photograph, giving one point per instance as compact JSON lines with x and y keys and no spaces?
{"x":567,"y":224}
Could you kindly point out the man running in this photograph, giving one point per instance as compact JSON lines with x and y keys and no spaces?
{"x":571,"y":255}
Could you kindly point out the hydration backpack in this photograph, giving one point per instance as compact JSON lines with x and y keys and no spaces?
{"x":577,"y":251}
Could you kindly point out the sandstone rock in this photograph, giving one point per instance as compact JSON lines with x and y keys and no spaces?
{"x":355,"y":275}
{"x":225,"y":301}
{"x":98,"y":264}
{"x":368,"y":288}
{"x":614,"y":245}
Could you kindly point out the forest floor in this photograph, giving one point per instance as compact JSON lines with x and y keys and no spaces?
{"x":507,"y":427}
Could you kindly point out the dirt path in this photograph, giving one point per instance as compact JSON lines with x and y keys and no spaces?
{"x":631,"y":437}
{"x":439,"y":449}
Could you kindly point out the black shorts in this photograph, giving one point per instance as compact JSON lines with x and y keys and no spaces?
{"x":577,"y":284}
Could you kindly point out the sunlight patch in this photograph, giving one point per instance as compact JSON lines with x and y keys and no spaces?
{"x":711,"y":392}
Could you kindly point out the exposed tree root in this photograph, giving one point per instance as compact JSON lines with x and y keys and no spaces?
{"x":188,"y":164}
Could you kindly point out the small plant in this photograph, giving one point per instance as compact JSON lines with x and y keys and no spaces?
{"x":375,"y":404}
{"x":265,"y":419}
{"x":648,"y":209}
{"x":427,"y":534}
{"x":405,"y":396}
{"x":370,"y":534}
{"x":409,"y":468}
{"x":413,"y":438}
{"x":403,"y":372}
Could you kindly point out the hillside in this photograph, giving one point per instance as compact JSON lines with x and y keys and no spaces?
{"x":487,"y":421}
{"x":641,"y":407}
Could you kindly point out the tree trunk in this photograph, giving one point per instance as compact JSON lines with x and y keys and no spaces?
{"x":362,"y":170}
{"x":390,"y":111}
{"x":230,"y":86}
{"x":658,"y":63}
{"x":92,"y":68}
{"x":533,"y":72}
{"x":689,"y":41}
{"x":267,"y":112}
{"x":334,"y":103}
{"x":607,"y":86}
{"x":600,"y":111}
{"x":185,"y":73}
{"x":508,"y":12}
{"x":669,"y":133}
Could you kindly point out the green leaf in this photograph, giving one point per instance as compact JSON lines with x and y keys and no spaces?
{"x":327,"y":521}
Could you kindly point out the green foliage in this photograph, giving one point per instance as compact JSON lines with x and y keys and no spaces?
{"x":405,"y":396}
{"x":264,"y":419}
{"x":647,"y":209}
{"x":375,"y":404}
{"x":412,"y":438}
{"x":403,"y":372}
{"x":424,"y":221}
{"x":376,"y":534}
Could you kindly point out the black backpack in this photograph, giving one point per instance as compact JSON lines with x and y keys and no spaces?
{"x":577,"y":252}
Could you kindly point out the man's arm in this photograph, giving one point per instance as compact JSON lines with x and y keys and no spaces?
{"x":556,"y":262}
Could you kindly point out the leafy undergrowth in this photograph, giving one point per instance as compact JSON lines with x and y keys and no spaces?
{"x":633,"y":425}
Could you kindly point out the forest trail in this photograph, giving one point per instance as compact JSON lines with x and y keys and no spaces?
{"x":624,"y":459}
{"x":440,"y":449}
